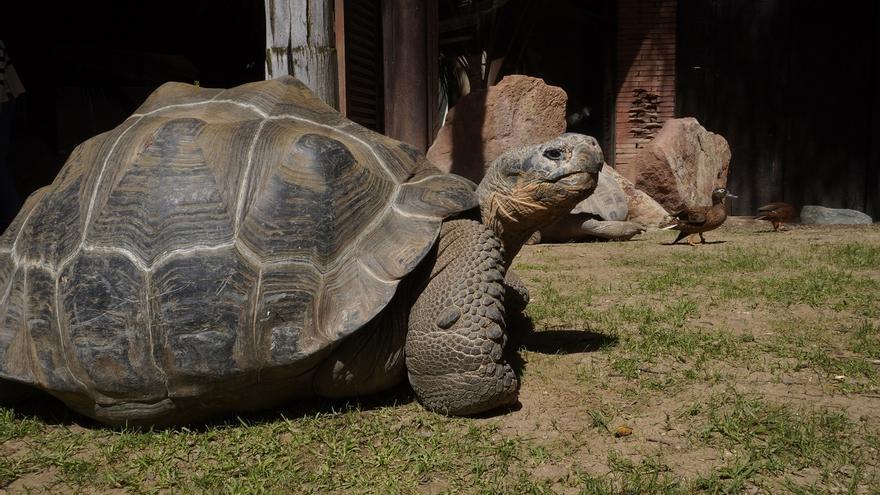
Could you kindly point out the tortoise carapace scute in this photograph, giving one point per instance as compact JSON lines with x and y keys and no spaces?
{"x":213,"y":245}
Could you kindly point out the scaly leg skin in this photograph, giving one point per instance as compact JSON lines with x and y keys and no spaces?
{"x":516,"y":294}
{"x":456,"y":338}
{"x":690,"y":240}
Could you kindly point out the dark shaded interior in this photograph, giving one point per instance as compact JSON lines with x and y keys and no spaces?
{"x":793,"y":88}
{"x":86,"y":66}
{"x":791,"y":85}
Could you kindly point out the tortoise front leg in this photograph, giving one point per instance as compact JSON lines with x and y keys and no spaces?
{"x":456,"y":338}
{"x":516,"y":294}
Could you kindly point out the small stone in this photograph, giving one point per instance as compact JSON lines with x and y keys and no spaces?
{"x":623,"y":431}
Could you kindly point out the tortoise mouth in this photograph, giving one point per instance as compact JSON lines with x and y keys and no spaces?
{"x":580,"y":182}
{"x":571,"y":178}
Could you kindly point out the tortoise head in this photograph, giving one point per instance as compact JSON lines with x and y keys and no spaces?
{"x":528,"y":188}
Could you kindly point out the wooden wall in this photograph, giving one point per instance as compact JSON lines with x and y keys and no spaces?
{"x":359,"y":48}
{"x":793,"y":86}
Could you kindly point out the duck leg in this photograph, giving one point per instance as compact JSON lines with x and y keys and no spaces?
{"x":702,"y":239}
{"x":691,"y":240}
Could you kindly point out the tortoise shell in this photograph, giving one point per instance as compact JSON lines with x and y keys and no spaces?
{"x":608,"y":201}
{"x":214,"y":235}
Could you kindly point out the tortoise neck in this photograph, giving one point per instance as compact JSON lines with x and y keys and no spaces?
{"x":497,"y":215}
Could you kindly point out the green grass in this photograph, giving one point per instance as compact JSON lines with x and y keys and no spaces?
{"x":854,"y":256}
{"x":350,"y":451}
{"x":768,"y":440}
{"x":743,"y":366}
{"x":864,"y":338}
{"x":561,"y":307}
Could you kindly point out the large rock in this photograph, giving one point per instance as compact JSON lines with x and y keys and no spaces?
{"x":820,"y":215}
{"x":681,"y":166}
{"x":641,"y":207}
{"x":518,"y":111}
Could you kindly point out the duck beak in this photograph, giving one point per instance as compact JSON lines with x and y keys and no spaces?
{"x":729,"y":195}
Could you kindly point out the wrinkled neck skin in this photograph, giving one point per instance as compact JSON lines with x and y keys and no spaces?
{"x":504,"y":211}
{"x":498,"y":214}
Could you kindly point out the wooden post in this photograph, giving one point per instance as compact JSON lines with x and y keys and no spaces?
{"x":410,"y":62}
{"x":339,"y":26}
{"x":300,"y":42}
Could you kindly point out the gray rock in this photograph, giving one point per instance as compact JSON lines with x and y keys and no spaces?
{"x":641,"y":207}
{"x":681,"y":166}
{"x":820,"y":215}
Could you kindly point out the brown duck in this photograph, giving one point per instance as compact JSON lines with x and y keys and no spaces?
{"x":700,"y":219}
{"x":777,"y":214}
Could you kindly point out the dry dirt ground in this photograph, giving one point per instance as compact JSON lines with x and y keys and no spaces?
{"x":750,"y":364}
{"x":649,"y":398}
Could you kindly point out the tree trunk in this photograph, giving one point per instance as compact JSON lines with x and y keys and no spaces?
{"x":300,"y":42}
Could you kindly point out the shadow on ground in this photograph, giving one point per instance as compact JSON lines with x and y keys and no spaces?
{"x":49,"y":410}
{"x":522,"y":335}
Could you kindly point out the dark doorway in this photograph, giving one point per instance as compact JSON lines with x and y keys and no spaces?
{"x":86,"y":66}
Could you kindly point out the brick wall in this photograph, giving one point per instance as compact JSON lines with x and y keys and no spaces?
{"x":645,"y":75}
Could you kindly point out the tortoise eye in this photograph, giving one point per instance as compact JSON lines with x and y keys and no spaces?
{"x":553,"y":154}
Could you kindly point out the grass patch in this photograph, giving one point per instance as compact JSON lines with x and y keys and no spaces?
{"x":561,"y":307}
{"x":865,"y":339}
{"x":855,"y":256}
{"x":664,"y":332}
{"x":840,"y":352}
{"x":353,"y":451}
{"x":769,"y":439}
{"x":677,"y":335}
{"x":816,"y":287}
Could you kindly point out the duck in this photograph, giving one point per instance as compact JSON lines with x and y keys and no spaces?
{"x":699,"y":219}
{"x":778,"y":214}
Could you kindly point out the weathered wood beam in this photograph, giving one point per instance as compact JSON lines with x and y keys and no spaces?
{"x":410,"y":62}
{"x":300,"y":41}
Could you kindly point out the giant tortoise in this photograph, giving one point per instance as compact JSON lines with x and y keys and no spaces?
{"x":601,"y":216}
{"x":229,"y":250}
